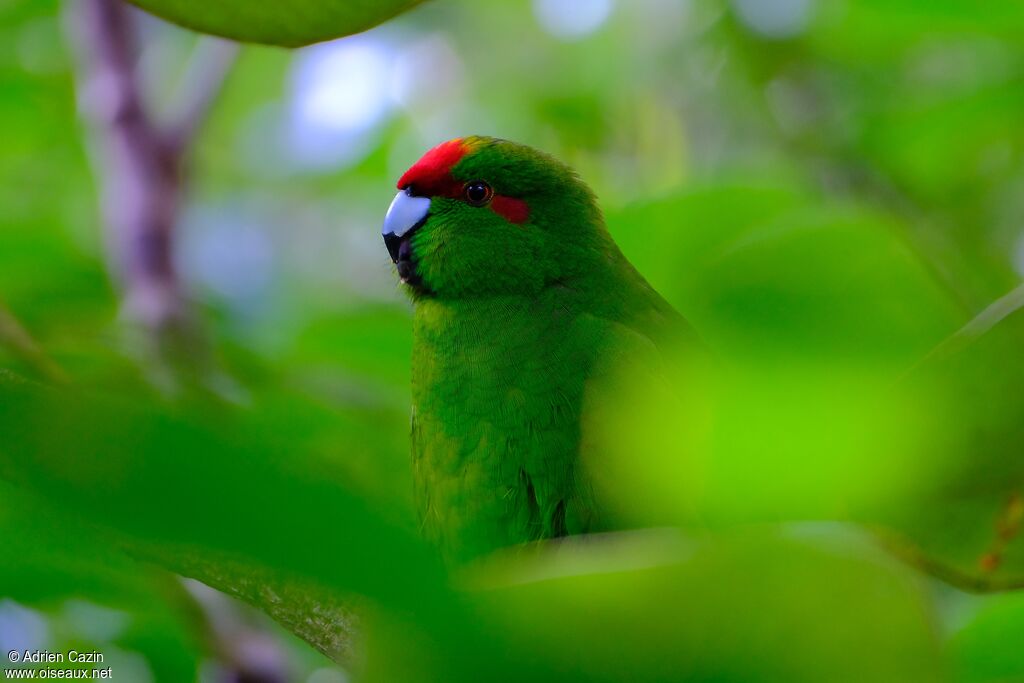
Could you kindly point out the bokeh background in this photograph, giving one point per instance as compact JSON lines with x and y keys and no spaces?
{"x":831,"y":191}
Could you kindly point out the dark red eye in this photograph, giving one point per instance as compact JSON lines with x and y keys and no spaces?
{"x":478,"y":193}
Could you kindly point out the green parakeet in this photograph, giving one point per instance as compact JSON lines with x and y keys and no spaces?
{"x":520,"y":298}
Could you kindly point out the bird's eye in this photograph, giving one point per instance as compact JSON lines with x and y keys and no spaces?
{"x":478,"y":193}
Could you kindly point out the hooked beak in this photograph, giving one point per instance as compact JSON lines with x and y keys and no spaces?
{"x":405,"y":214}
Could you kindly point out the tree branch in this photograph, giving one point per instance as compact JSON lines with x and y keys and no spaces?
{"x":141,"y":172}
{"x":140,"y":176}
{"x":20,"y":342}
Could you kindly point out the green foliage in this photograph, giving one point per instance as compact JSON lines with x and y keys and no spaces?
{"x":737,"y":608}
{"x":105,"y":479}
{"x":292,"y":24}
{"x":830,"y":208}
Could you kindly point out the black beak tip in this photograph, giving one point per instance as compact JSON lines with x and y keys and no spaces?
{"x":407,"y":272}
{"x":392,"y":242}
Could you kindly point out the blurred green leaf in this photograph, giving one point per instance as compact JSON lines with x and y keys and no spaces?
{"x":769,"y":276}
{"x":966,"y":523}
{"x":986,"y":648}
{"x":52,"y":562}
{"x":812,"y":312}
{"x":760,"y":605}
{"x":187,"y":481}
{"x":296,"y":23}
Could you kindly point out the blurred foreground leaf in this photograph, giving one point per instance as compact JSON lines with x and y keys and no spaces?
{"x":55,"y":563}
{"x":185,"y":492}
{"x":292,"y":24}
{"x":184,"y":479}
{"x":812,"y":312}
{"x":987,"y":647}
{"x":760,"y":605}
{"x":244,"y":515}
{"x":818,"y":317}
{"x":968,"y":523}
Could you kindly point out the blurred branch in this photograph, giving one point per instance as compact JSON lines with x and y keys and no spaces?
{"x":317,"y":615}
{"x":973,"y":580}
{"x":993,"y":314}
{"x":233,"y":632}
{"x":139,"y":173}
{"x":20,"y":342}
{"x":140,"y":170}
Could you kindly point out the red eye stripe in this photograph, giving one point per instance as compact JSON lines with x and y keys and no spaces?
{"x":431,"y":176}
{"x":511,"y":209}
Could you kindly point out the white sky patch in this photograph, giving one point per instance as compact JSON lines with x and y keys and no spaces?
{"x":428,"y":74}
{"x":572,"y":19}
{"x":339,"y":97}
{"x":327,"y":676}
{"x":95,"y":622}
{"x":338,"y":85}
{"x":228,"y":251}
{"x":22,"y":628}
{"x":777,"y":19}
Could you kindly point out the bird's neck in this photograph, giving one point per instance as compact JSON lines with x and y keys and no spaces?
{"x":444,"y":323}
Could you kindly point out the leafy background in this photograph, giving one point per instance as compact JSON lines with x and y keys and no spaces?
{"x":830,"y":191}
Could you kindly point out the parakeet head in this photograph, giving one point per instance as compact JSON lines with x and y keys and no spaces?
{"x":480,"y":216}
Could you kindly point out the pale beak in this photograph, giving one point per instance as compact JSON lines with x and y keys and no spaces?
{"x":405,"y":214}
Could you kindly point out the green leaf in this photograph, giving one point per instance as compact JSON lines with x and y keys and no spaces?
{"x":814,"y":311}
{"x":291,"y":24}
{"x":759,"y":605}
{"x":184,"y":481}
{"x":966,"y":524}
{"x":987,"y":647}
{"x":52,"y":561}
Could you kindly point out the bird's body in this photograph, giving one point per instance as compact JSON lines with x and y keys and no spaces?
{"x":517,"y":310}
